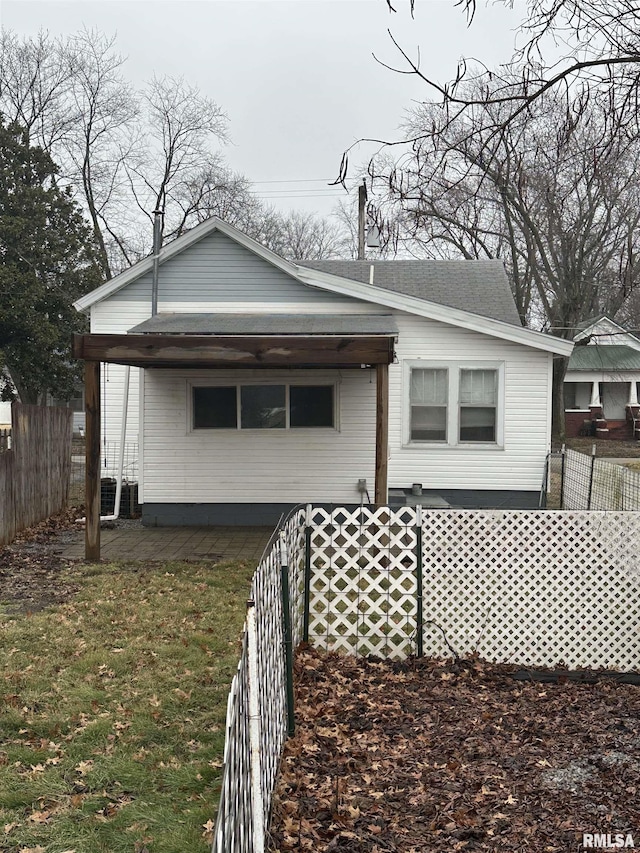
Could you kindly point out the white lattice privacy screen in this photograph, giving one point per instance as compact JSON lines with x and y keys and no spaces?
{"x":533,"y":588}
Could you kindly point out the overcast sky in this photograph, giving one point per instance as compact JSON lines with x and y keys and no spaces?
{"x":296,"y":77}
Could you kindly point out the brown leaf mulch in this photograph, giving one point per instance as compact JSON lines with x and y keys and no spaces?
{"x":430,"y":755}
{"x":31,"y":568}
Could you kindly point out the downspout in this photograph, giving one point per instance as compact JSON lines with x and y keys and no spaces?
{"x":157,"y":245}
{"x":123,"y":433}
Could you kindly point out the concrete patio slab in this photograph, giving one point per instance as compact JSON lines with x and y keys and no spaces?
{"x":175,"y":543}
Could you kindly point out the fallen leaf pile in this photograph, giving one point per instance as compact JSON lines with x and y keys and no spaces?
{"x":31,"y":567}
{"x":428,"y":755}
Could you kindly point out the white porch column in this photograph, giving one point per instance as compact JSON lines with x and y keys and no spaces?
{"x":633,"y":394}
{"x":595,"y":395}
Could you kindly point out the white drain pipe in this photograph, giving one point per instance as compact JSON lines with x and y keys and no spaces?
{"x":123,"y":433}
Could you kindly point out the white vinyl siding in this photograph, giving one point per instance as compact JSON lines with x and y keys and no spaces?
{"x":182,"y":465}
{"x":290,"y":465}
{"x":517,"y":463}
{"x":121,"y":312}
{"x":113,"y":316}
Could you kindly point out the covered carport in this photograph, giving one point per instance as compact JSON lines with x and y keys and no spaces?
{"x":209,"y":341}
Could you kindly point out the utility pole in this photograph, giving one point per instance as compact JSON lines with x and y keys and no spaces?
{"x":362,"y":201}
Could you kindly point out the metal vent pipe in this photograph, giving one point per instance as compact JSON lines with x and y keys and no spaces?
{"x":157,"y":245}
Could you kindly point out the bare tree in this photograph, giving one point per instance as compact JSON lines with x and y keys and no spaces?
{"x":309,"y":236}
{"x":180,"y":124}
{"x":554,"y":194}
{"x":125,"y":154}
{"x":601,"y":42}
{"x":102,"y":138}
{"x":35,"y":81}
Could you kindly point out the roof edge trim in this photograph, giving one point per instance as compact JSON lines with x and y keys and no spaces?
{"x":175,"y":248}
{"x":434,"y":311}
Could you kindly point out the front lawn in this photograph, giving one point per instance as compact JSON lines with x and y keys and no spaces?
{"x":112,"y":708}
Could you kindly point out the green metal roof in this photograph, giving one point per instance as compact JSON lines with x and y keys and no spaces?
{"x":605,"y":357}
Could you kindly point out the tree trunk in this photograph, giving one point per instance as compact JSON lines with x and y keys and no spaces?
{"x":557,"y":407}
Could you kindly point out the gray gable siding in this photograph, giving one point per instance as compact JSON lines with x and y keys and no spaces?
{"x":216,"y":269}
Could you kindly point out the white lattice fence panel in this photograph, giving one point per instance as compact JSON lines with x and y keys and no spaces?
{"x":536,"y":588}
{"x":363,"y":581}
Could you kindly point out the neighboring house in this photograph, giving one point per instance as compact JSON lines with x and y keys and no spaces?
{"x":601,"y":385}
{"x":5,"y":415}
{"x":262,"y":383}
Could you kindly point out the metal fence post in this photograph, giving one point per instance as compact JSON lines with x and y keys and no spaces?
{"x":593,"y":462}
{"x":307,"y":574}
{"x":288,"y":640}
{"x":419,"y":584}
{"x":257,"y":805}
{"x":563,"y":462}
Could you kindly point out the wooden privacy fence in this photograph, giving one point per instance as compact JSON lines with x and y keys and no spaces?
{"x":533,"y":588}
{"x":35,"y":472}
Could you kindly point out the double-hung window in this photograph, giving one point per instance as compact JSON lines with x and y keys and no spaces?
{"x":454,"y":404}
{"x":265,"y":406}
{"x":429,"y":392}
{"x":478,"y":405}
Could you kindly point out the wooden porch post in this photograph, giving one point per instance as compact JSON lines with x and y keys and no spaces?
{"x":382,"y":432}
{"x":92,"y":461}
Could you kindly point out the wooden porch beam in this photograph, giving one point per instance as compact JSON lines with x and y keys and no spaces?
{"x":240,"y":351}
{"x":382,"y":433}
{"x":92,"y":461}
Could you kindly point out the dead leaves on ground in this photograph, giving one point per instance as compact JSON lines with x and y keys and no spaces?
{"x":31,"y":569}
{"x":427,"y":755}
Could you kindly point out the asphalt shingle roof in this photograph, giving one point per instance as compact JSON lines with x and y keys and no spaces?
{"x":268,"y":324}
{"x":478,"y":286}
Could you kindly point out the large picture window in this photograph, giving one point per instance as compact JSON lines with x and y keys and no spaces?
{"x":454,"y":404}
{"x":277,"y":406}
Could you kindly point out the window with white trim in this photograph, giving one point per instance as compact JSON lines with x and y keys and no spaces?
{"x":478,"y":405}
{"x":264,"y":406}
{"x":428,"y":395}
{"x":454,"y":404}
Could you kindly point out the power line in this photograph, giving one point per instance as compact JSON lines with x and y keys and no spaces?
{"x":297,"y":181}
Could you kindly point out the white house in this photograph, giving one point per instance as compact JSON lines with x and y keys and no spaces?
{"x":602,"y":382}
{"x":262,"y":383}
